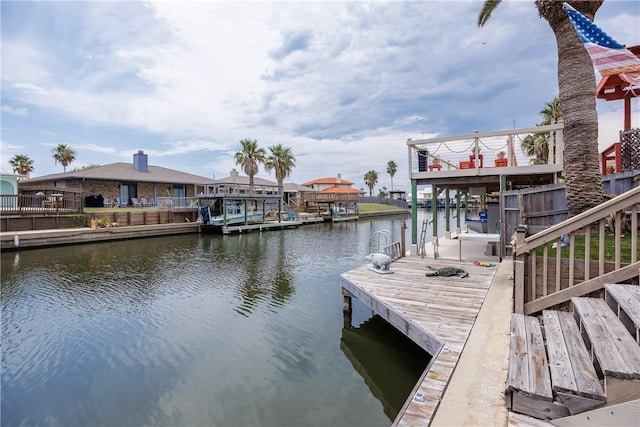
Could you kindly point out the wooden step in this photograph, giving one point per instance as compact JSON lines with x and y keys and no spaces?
{"x":624,"y":300}
{"x":613,"y":350}
{"x":573,"y":376}
{"x":528,"y":387}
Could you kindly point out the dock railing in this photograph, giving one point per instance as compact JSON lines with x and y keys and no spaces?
{"x":543,"y":280}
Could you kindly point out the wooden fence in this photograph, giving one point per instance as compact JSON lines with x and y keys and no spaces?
{"x":538,"y":208}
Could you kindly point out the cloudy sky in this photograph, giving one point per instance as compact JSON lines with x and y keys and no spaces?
{"x":343,"y":83}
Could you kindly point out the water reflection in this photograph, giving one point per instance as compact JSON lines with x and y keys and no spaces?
{"x":191,"y":330}
{"x":374,"y":344}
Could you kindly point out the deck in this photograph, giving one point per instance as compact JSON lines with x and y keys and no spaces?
{"x":437,"y":313}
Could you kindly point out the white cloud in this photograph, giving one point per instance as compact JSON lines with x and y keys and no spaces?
{"x":342,"y":83}
{"x":14,"y":111}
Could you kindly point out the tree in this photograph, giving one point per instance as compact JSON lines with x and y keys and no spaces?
{"x":371,"y":179}
{"x":536,"y":146}
{"x":577,"y":89}
{"x":392,"y":168}
{"x":21,"y":164}
{"x":249,"y":159}
{"x":382,"y":192}
{"x":64,"y":155}
{"x":84,"y":168}
{"x":282,"y":161}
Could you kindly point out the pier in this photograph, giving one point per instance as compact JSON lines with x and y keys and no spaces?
{"x":463,"y":323}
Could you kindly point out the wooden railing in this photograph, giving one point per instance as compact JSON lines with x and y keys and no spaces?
{"x":36,"y":204}
{"x":543,"y":281}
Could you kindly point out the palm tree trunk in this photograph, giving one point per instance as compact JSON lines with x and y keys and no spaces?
{"x":577,"y":86}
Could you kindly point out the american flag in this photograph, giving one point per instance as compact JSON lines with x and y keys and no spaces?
{"x":608,"y":56}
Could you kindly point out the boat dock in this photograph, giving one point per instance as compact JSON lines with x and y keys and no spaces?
{"x":265,"y":226}
{"x":463,"y":323}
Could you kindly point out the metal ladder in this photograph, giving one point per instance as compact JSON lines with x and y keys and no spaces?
{"x":423,"y":238}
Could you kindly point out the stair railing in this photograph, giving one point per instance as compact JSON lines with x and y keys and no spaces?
{"x":543,"y":281}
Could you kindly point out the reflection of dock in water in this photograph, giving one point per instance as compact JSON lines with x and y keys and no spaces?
{"x":374,"y":349}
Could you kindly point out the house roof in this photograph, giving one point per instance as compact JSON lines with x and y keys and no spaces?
{"x":341,"y":190}
{"x":236,"y":178}
{"x":330,"y":180}
{"x":125,"y":172}
{"x":290,"y":187}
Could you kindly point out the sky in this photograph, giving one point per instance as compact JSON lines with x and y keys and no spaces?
{"x":344,"y":84}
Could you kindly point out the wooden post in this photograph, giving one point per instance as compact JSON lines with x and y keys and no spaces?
{"x":346,"y":301}
{"x":403,"y":245}
{"x":519,"y":265}
{"x":414,"y":212}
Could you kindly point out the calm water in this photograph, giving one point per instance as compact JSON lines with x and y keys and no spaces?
{"x":195,"y":330}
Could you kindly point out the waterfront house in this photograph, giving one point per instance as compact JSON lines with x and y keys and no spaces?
{"x":122,"y":184}
{"x":335,"y":196}
{"x":9,"y":187}
{"x":333,"y":185}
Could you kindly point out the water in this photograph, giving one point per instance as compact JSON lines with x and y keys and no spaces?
{"x":242,"y":330}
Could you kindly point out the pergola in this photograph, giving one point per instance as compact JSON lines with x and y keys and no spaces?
{"x":613,"y":88}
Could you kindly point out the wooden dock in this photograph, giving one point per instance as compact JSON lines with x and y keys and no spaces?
{"x":435,"y":312}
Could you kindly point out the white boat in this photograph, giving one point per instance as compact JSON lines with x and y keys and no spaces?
{"x":235,"y":214}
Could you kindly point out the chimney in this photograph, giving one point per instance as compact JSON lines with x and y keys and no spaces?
{"x":140,"y":162}
{"x":234,"y":173}
{"x":339,"y":180}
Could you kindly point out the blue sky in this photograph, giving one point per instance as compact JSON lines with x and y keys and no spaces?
{"x":343,"y":84}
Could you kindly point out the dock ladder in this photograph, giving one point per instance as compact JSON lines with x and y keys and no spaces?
{"x":381,"y":243}
{"x":423,"y":238}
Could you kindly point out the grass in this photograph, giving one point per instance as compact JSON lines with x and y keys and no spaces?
{"x":609,"y":248}
{"x":376,"y":207}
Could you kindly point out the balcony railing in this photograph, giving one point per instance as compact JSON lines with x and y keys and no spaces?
{"x":477,"y":153}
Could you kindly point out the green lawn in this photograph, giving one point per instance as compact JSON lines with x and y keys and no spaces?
{"x":375,"y":207}
{"x":609,"y":248}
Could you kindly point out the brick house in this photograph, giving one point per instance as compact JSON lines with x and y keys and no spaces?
{"x":122,"y":182}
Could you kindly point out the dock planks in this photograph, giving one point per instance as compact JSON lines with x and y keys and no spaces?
{"x":437,"y":313}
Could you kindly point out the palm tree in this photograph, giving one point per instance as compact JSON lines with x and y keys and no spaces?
{"x":22,"y":164}
{"x":282,"y":161}
{"x":552,"y":112}
{"x":536,"y":146}
{"x":371,"y":179}
{"x":249,"y":159}
{"x":64,"y":155}
{"x":576,"y":83}
{"x":392,"y":168}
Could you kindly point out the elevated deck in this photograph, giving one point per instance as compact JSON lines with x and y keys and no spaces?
{"x":438,"y":313}
{"x":473,"y":160}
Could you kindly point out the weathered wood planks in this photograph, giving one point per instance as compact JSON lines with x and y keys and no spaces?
{"x":624,"y":300}
{"x":613,"y":349}
{"x":435,"y":312}
{"x":573,"y":375}
{"x":528,"y":387}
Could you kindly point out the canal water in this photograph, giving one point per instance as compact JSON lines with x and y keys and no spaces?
{"x":191,"y":330}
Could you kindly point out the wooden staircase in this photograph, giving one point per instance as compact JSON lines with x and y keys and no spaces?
{"x":576,"y":361}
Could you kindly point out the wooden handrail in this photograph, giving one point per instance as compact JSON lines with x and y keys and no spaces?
{"x":535,"y":291}
{"x":590,"y":216}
